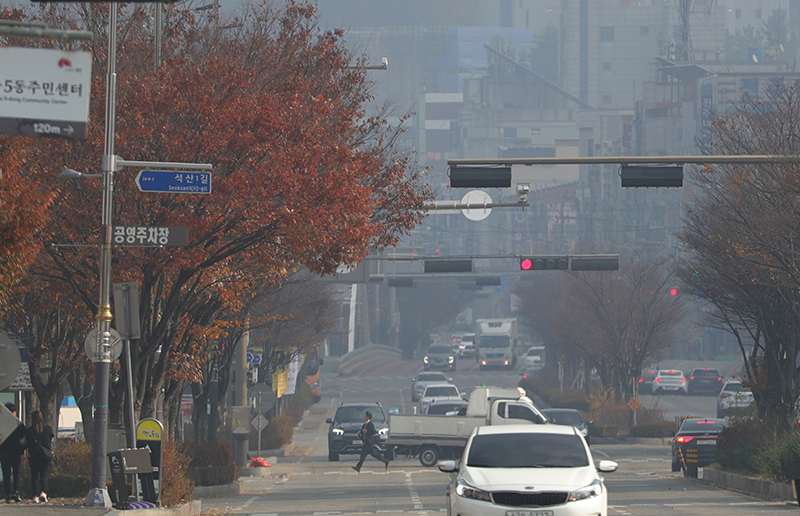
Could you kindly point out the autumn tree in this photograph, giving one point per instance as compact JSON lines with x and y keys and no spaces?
{"x":302,"y":176}
{"x":740,"y":236}
{"x":620,"y":321}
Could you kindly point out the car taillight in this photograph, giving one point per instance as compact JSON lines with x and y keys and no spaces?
{"x":692,"y":377}
{"x":525,"y":376}
{"x":725,"y":395}
{"x":683,"y":380}
{"x":658,"y":379}
{"x":641,"y":380}
{"x":719,"y":379}
{"x":684,"y":439}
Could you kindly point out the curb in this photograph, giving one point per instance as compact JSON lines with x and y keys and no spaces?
{"x":632,"y":440}
{"x":757,"y":487}
{"x":222,"y":491}
{"x":189,"y":509}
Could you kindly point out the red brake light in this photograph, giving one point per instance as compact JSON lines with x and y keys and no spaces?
{"x":684,"y":438}
{"x":719,"y":379}
{"x":692,"y":377}
{"x":641,"y":380}
{"x":658,"y":379}
{"x":725,"y":395}
{"x":683,"y":380}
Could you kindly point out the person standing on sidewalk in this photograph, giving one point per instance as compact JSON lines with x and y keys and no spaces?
{"x":11,"y":452}
{"x":369,"y":435}
{"x":39,"y":436}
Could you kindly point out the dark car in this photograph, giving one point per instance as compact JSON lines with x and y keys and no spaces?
{"x":346,"y":423}
{"x":697,"y":433}
{"x":646,"y":381}
{"x":440,"y":356}
{"x":569,"y":417}
{"x":705,"y":381}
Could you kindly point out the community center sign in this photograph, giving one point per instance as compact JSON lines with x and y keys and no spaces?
{"x":44,"y":92}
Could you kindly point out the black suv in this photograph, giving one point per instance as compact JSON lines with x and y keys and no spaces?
{"x":440,"y":356}
{"x":346,"y":423}
{"x":705,"y":381}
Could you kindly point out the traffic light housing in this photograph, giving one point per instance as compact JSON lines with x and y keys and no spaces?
{"x":448,"y":265}
{"x":597,"y":263}
{"x":544,"y":263}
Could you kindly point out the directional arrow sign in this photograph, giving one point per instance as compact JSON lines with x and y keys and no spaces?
{"x":181,"y":182}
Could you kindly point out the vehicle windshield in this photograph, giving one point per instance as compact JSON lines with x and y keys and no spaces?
{"x":712,"y":373}
{"x":735,"y":387}
{"x":669,"y":373}
{"x":444,"y":408}
{"x":438,"y":350}
{"x":431,"y":377}
{"x":702,"y":425}
{"x":354,"y":414}
{"x":566,"y":417}
{"x":468,"y":339}
{"x":494,"y":341}
{"x":444,"y":390}
{"x":527,"y":450}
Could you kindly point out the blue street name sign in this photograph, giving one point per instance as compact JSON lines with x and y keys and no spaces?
{"x":180,"y":182}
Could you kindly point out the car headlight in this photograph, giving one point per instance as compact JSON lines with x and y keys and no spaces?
{"x":451,"y":359}
{"x":337,"y":431}
{"x":471,"y":492}
{"x":383,"y":431}
{"x":590,"y":491}
{"x":425,"y":359}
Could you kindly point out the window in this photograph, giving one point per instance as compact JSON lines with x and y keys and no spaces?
{"x":607,"y":65}
{"x":606,"y":33}
{"x":607,"y":99}
{"x":738,"y":14}
{"x":644,"y":30}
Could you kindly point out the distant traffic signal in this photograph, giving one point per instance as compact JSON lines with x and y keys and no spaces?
{"x":673,"y":292}
{"x":544,"y":263}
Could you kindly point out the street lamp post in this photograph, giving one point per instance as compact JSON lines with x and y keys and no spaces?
{"x":98,"y":495}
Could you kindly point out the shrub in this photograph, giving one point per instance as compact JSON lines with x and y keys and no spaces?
{"x":211,"y":464}
{"x":278,"y":433}
{"x":656,"y":429}
{"x":176,"y":486}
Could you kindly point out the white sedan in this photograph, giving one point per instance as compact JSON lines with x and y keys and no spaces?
{"x":526,"y":470}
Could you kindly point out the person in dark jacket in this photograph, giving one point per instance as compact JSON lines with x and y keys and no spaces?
{"x":11,"y":452}
{"x":42,"y":434}
{"x":368,"y":434}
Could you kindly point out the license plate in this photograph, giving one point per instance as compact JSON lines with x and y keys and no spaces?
{"x":706,"y":441}
{"x":529,"y":513}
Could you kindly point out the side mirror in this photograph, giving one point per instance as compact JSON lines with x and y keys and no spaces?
{"x":447,"y":466}
{"x":329,"y":421}
{"x":670,"y":433}
{"x":450,"y":380}
{"x":464,"y":397}
{"x":589,"y":422}
{"x":607,"y":466}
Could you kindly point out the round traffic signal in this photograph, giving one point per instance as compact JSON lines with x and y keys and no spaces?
{"x":526,"y":264}
{"x":673,"y":292}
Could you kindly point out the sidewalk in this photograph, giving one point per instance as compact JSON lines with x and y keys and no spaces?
{"x":74,"y":507}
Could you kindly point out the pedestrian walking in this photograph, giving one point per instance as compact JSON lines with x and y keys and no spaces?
{"x":40,"y":455}
{"x":11,"y":452}
{"x":369,"y":435}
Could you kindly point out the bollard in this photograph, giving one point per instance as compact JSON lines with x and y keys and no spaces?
{"x":691,"y":463}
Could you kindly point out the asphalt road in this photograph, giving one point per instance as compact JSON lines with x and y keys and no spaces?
{"x":306,"y":483}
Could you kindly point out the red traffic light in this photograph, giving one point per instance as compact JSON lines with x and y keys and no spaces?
{"x":526,"y":264}
{"x":673,"y":292}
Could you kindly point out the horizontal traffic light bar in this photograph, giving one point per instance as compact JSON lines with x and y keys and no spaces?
{"x":480,"y":177}
{"x":564,"y":262}
{"x":737,"y":159}
{"x":651,"y":176}
{"x":448,"y":265}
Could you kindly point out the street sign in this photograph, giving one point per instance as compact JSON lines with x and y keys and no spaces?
{"x":44,"y":92}
{"x":259,"y":422}
{"x":264,"y":397}
{"x":634,"y":404}
{"x":144,"y":235}
{"x":126,"y":306}
{"x":90,"y":345}
{"x":240,"y":416}
{"x":174,"y":181}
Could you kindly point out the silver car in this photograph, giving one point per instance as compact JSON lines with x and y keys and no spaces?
{"x":439,"y":391}
{"x":422,"y":380}
{"x":670,"y":380}
{"x":734,"y":398}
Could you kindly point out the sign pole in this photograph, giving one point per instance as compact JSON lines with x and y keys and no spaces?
{"x":98,"y":494}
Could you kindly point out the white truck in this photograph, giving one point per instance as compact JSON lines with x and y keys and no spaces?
{"x":434,"y":437}
{"x":496,"y":342}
